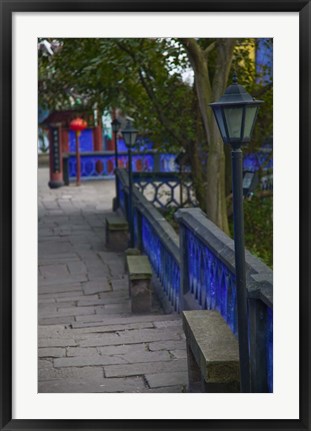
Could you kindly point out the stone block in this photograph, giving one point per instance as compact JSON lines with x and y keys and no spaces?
{"x":212,"y":352}
{"x":141,"y":298}
{"x":116,"y":233}
{"x":140,"y":274}
{"x":130,"y":252}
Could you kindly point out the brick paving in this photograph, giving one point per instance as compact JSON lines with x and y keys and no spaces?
{"x":88,"y":339}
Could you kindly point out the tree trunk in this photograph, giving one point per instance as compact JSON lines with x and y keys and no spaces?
{"x":208,"y":92}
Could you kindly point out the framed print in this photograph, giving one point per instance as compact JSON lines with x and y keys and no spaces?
{"x":41,"y":383}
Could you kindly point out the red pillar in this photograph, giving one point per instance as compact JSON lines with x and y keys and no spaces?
{"x":55,"y":147}
{"x":78,"y":159}
{"x":65,"y":140}
{"x":97,"y":138}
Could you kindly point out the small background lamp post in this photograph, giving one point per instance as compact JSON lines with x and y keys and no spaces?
{"x":235,"y":114}
{"x":130,"y":134}
{"x":78,"y":125}
{"x":115,"y":125}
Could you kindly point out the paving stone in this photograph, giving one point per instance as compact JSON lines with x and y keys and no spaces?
{"x":50,"y":331}
{"x":166,"y":389}
{"x":96,"y":318}
{"x":92,"y":287}
{"x":46,"y":300}
{"x":83,"y":373}
{"x":80,"y":351}
{"x":107,"y":256}
{"x":45,"y":364}
{"x":56,"y":342}
{"x":114,"y":308}
{"x":69,"y":303}
{"x":88,"y":360}
{"x":56,"y":320}
{"x":91,"y":298}
{"x":167,"y":379}
{"x":122,"y":320}
{"x":63,"y":296}
{"x":138,"y":357}
{"x":110,"y":328}
{"x":133,"y":384}
{"x":167,"y":345}
{"x":179,"y":354}
{"x":97,"y":275}
{"x":145,"y":368}
{"x":59,"y":288}
{"x":116,"y":300}
{"x":122,"y":284}
{"x":114,"y":294}
{"x":50,"y":271}
{"x":123,"y":349}
{"x":168,"y":323}
{"x":47,"y":309}
{"x":63,"y":280}
{"x":116,"y":269}
{"x":71,"y":311}
{"x":129,"y":337}
{"x":51,"y":352}
{"x":77,"y":267}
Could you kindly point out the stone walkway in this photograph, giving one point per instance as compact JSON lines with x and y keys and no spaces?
{"x":89,"y":341}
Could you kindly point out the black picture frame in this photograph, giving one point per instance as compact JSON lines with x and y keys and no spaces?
{"x":7,"y":9}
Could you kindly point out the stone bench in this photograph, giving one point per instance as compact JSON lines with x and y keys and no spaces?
{"x":140,"y":274}
{"x":116,"y":233}
{"x":212,"y":353}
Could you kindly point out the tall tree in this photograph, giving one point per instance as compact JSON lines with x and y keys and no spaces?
{"x":210,"y":83}
{"x":144,"y":77}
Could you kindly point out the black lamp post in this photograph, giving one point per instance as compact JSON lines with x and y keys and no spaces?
{"x":129,"y":135}
{"x":115,"y":125}
{"x":236,"y":113}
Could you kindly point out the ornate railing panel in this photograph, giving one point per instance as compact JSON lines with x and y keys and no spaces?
{"x":211,"y":283}
{"x":162,"y":260}
{"x":165,"y":190}
{"x":100,"y":164}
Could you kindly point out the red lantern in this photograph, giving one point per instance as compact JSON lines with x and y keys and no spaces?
{"x":78,"y":125}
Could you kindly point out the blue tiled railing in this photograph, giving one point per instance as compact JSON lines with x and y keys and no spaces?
{"x":163,"y":262}
{"x":156,"y":238}
{"x":102,"y":164}
{"x":209,"y":282}
{"x":198,"y":272}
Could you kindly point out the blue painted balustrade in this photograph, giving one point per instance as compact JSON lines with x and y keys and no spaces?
{"x":197,"y":271}
{"x":208,"y":282}
{"x":101,"y":164}
{"x":156,"y":238}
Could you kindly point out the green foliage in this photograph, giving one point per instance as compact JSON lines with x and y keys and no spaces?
{"x":253,"y":79}
{"x":169,"y":215}
{"x":140,"y":76}
{"x":258,"y":219}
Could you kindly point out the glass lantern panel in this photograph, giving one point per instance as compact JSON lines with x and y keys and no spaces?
{"x":250,"y":115}
{"x":234,"y":117}
{"x":220,"y":121}
{"x":133,"y":138}
{"x":129,"y":138}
